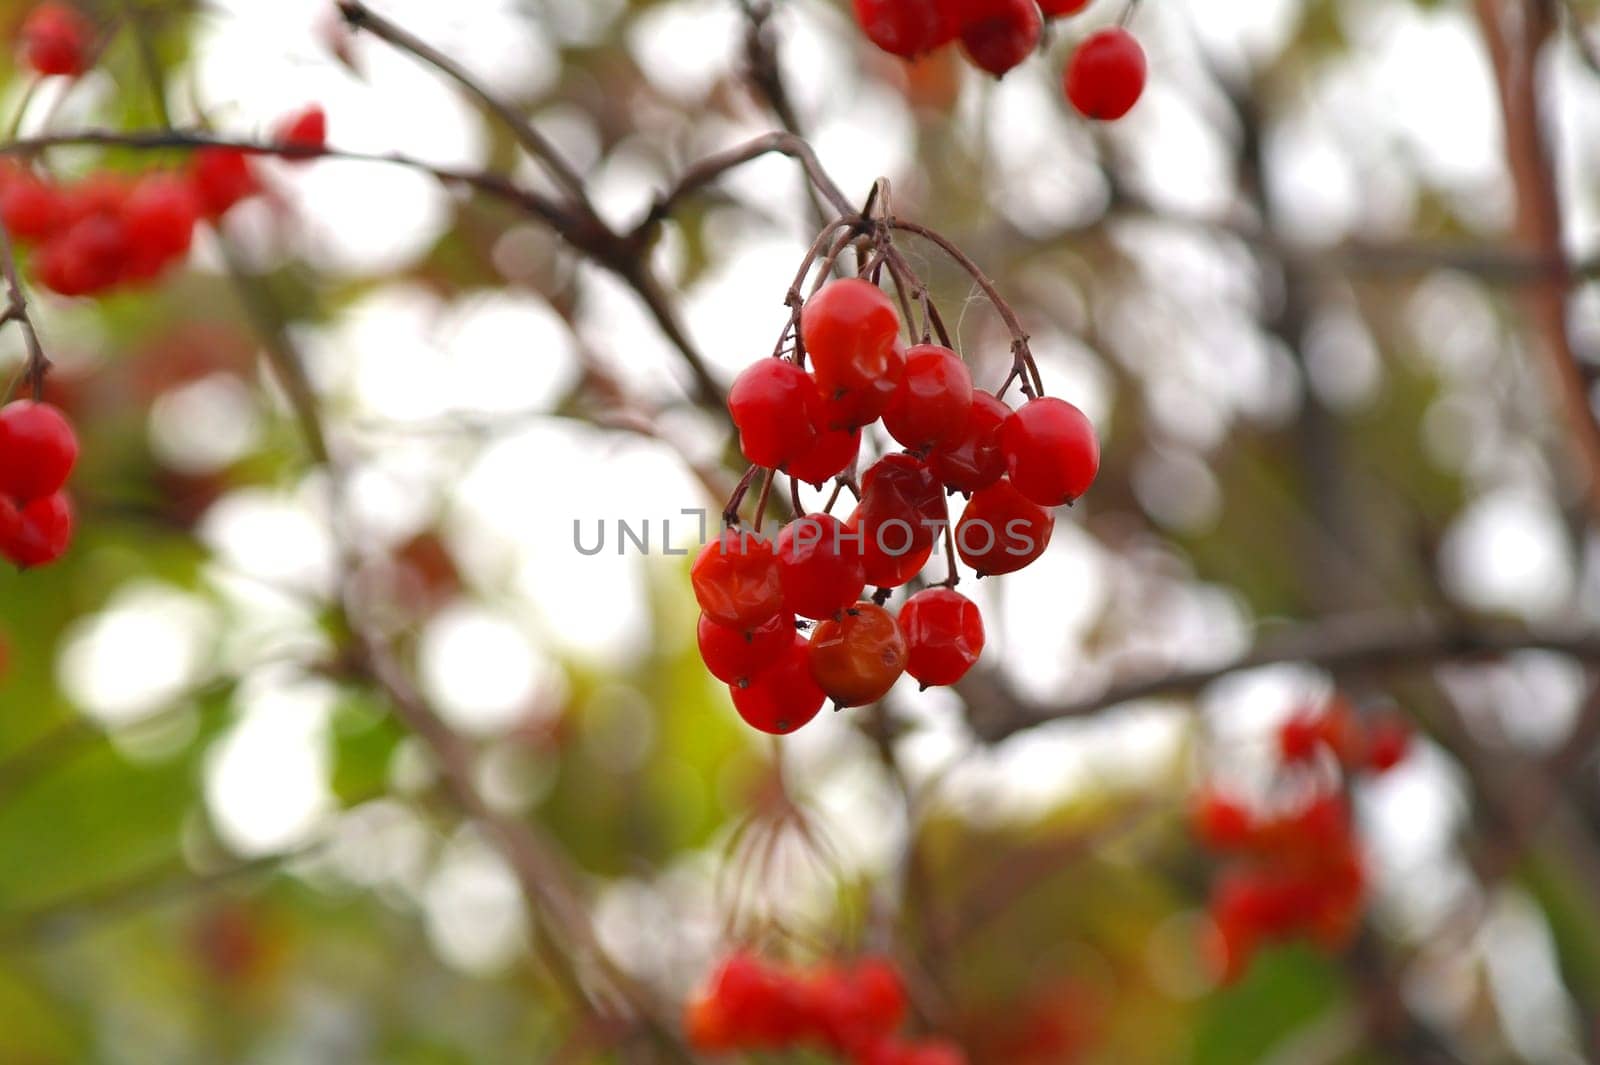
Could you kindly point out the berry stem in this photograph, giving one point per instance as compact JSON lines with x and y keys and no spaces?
{"x":761,"y":500}
{"x":953,"y":576}
{"x":16,"y":310}
{"x":794,"y":497}
{"x":730,"y":512}
{"x":1128,"y":13}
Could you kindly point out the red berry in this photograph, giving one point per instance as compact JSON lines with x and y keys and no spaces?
{"x":221,"y":178}
{"x":92,"y":255}
{"x":933,"y":400}
{"x":944,"y":635}
{"x":736,"y":580}
{"x":160,"y":214}
{"x":857,"y":658}
{"x":775,"y":406}
{"x":1299,"y":737}
{"x":888,"y":560}
{"x":306,"y":129}
{"x":1001,"y":531}
{"x":904,"y":28}
{"x":851,"y":334}
{"x":902,"y":505}
{"x":852,"y":408}
{"x":833,"y":452}
{"x":38,"y":533}
{"x":1388,"y":742}
{"x":1058,"y":8}
{"x":820,"y":563}
{"x":707,"y":1027}
{"x":782,"y":697}
{"x":881,"y":992}
{"x":55,"y":39}
{"x":1106,"y":75}
{"x":733,"y":656}
{"x":31,"y":207}
{"x":1003,"y":35}
{"x":1221,"y":823}
{"x":972,"y":458}
{"x":1051,"y":451}
{"x":37,"y":450}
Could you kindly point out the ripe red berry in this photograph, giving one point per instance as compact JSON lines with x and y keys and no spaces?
{"x":160,"y":215}
{"x":37,"y":450}
{"x":904,"y":28}
{"x":55,"y":39}
{"x":1388,"y":742}
{"x":851,"y":334}
{"x":1001,"y":531}
{"x":1002,"y":35}
{"x":306,"y":129}
{"x":880,"y":991}
{"x":221,"y":178}
{"x":1299,"y":737}
{"x":782,"y":697}
{"x":1106,"y":75}
{"x":733,"y":656}
{"x":1221,"y":823}
{"x":902,"y":504}
{"x":972,"y":458}
{"x":888,"y":560}
{"x":944,"y":635}
{"x":820,"y":563}
{"x":857,"y":658}
{"x":1051,"y":451}
{"x":38,"y":533}
{"x":707,"y":1026}
{"x":31,"y":206}
{"x":88,"y":257}
{"x":852,"y":408}
{"x":775,"y":406}
{"x":736,"y":581}
{"x":833,"y":452}
{"x":1058,"y":8}
{"x":933,"y":400}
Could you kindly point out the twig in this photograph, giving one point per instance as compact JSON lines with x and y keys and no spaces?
{"x":1342,"y":645}
{"x":16,"y":310}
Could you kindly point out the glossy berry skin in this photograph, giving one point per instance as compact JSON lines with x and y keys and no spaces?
{"x":37,"y":450}
{"x":775,"y":406}
{"x":820,"y":563}
{"x":736,"y":580}
{"x":973,"y":459}
{"x":36,"y":534}
{"x":901,"y":503}
{"x":1001,"y":531}
{"x":944,"y":635}
{"x":733,"y":656}
{"x":55,"y":39}
{"x":888,"y":565}
{"x":853,"y":408}
{"x":856,"y":659}
{"x":305,"y":129}
{"x":1003,"y":35}
{"x":1106,"y":75}
{"x":851,"y":334}
{"x":221,"y":177}
{"x":830,"y":454}
{"x":1059,"y":8}
{"x":933,"y":400}
{"x":905,"y":28}
{"x":782,"y":697}
{"x":1052,"y":453}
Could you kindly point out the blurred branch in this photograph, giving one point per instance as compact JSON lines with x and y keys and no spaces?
{"x":361,"y":17}
{"x":1515,"y":33}
{"x":16,"y":310}
{"x":1342,"y":645}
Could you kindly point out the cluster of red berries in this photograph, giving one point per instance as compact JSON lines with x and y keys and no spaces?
{"x":56,"y":40}
{"x":111,"y":229}
{"x":1014,"y":465}
{"x":852,"y":1011}
{"x":1298,"y":871}
{"x":37,"y":452}
{"x":1103,"y":80}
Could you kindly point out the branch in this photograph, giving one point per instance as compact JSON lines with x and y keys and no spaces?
{"x":16,"y":310}
{"x":361,"y":17}
{"x":1344,"y":645}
